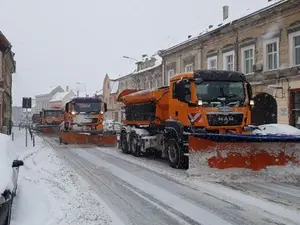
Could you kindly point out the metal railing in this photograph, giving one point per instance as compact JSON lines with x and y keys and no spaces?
{"x":32,"y":136}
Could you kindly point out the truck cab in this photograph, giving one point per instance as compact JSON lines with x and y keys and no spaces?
{"x":84,"y":113}
{"x":214,"y":100}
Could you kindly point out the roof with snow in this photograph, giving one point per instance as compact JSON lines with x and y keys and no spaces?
{"x":114,"y":86}
{"x":59,"y":96}
{"x":243,"y":15}
{"x":158,"y":62}
{"x":49,"y":90}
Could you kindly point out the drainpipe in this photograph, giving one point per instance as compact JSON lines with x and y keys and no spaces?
{"x":237,"y":52}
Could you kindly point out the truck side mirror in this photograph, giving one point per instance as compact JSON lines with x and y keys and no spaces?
{"x":17,"y":163}
{"x":182,"y":90}
{"x":105,"y":107}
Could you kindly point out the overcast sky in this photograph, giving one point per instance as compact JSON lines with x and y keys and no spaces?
{"x":65,"y":41}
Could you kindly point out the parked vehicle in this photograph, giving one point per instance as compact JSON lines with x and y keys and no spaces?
{"x":7,"y":196}
{"x":111,"y":125}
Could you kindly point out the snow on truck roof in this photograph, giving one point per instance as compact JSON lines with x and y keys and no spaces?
{"x":212,"y":75}
{"x":242,"y":14}
{"x":219,"y":75}
{"x":86,"y":99}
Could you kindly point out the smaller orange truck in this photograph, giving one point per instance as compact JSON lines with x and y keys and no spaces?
{"x":83,"y":123}
{"x":50,"y":120}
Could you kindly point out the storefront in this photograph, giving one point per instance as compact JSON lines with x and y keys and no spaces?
{"x":295,"y":107}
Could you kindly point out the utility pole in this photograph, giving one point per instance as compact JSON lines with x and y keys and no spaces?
{"x":26,"y":104}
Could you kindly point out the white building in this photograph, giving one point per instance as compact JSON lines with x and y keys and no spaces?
{"x":60,"y":99}
{"x":42,"y":100}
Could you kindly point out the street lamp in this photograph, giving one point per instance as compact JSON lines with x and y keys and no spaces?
{"x":127,"y":57}
{"x":84,"y":86}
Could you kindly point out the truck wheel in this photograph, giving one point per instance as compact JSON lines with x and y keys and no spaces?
{"x":124,"y":143}
{"x":175,"y":155}
{"x":135,"y":149}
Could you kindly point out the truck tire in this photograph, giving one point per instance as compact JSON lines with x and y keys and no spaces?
{"x":135,"y":149}
{"x":175,"y":154}
{"x":124,"y":142}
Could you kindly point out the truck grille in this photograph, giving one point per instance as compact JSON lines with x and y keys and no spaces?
{"x":231,"y":119}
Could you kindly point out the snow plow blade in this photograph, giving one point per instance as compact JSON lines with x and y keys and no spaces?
{"x":48,"y":129}
{"x":88,"y":137}
{"x":252,"y":152}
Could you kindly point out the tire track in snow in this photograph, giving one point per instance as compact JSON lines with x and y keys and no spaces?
{"x":232,"y":212}
{"x":277,"y":193}
{"x":262,"y":218}
{"x":128,"y":205}
{"x":188,"y":209}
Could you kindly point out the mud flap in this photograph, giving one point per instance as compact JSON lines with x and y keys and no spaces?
{"x":88,"y":138}
{"x":210,"y":153}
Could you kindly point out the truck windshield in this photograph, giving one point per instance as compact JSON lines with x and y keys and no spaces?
{"x":87,"y":107}
{"x":226,"y":91}
{"x":52,"y":113}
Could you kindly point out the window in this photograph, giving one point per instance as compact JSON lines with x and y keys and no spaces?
{"x":188,"y":68}
{"x":157,"y":83}
{"x":150,"y":83}
{"x":228,"y":61}
{"x":116,"y":116}
{"x":212,"y":62}
{"x":271,"y":49}
{"x":248,"y":59}
{"x":171,"y":73}
{"x":294,"y":41}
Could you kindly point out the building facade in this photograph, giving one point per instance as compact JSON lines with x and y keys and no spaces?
{"x":42,"y":100}
{"x":109,"y":96}
{"x":264,"y":45}
{"x":147,"y":75}
{"x":7,"y":68}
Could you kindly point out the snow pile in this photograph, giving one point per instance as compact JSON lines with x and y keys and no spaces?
{"x":6,"y":171}
{"x":52,"y":193}
{"x":279,"y":129}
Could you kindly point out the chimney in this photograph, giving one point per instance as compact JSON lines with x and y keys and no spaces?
{"x":67,"y":88}
{"x":77,"y":93}
{"x":225,"y":12}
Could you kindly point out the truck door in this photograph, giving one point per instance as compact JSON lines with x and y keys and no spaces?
{"x":180,"y":99}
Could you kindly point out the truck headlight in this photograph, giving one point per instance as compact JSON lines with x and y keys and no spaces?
{"x":73,"y":112}
{"x":200,"y":102}
{"x":251,"y":102}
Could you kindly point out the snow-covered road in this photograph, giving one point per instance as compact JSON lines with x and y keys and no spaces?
{"x":141,"y":192}
{"x":50,"y":192}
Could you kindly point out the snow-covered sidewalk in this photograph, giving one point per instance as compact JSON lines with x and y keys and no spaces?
{"x":50,"y":192}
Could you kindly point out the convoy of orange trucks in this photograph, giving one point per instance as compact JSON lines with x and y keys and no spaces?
{"x":202,"y":119}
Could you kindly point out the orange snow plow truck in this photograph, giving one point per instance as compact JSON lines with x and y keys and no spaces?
{"x":83,"y":123}
{"x":202,"y":120}
{"x":50,"y":120}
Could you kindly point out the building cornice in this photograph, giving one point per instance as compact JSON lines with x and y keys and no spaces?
{"x":244,"y":22}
